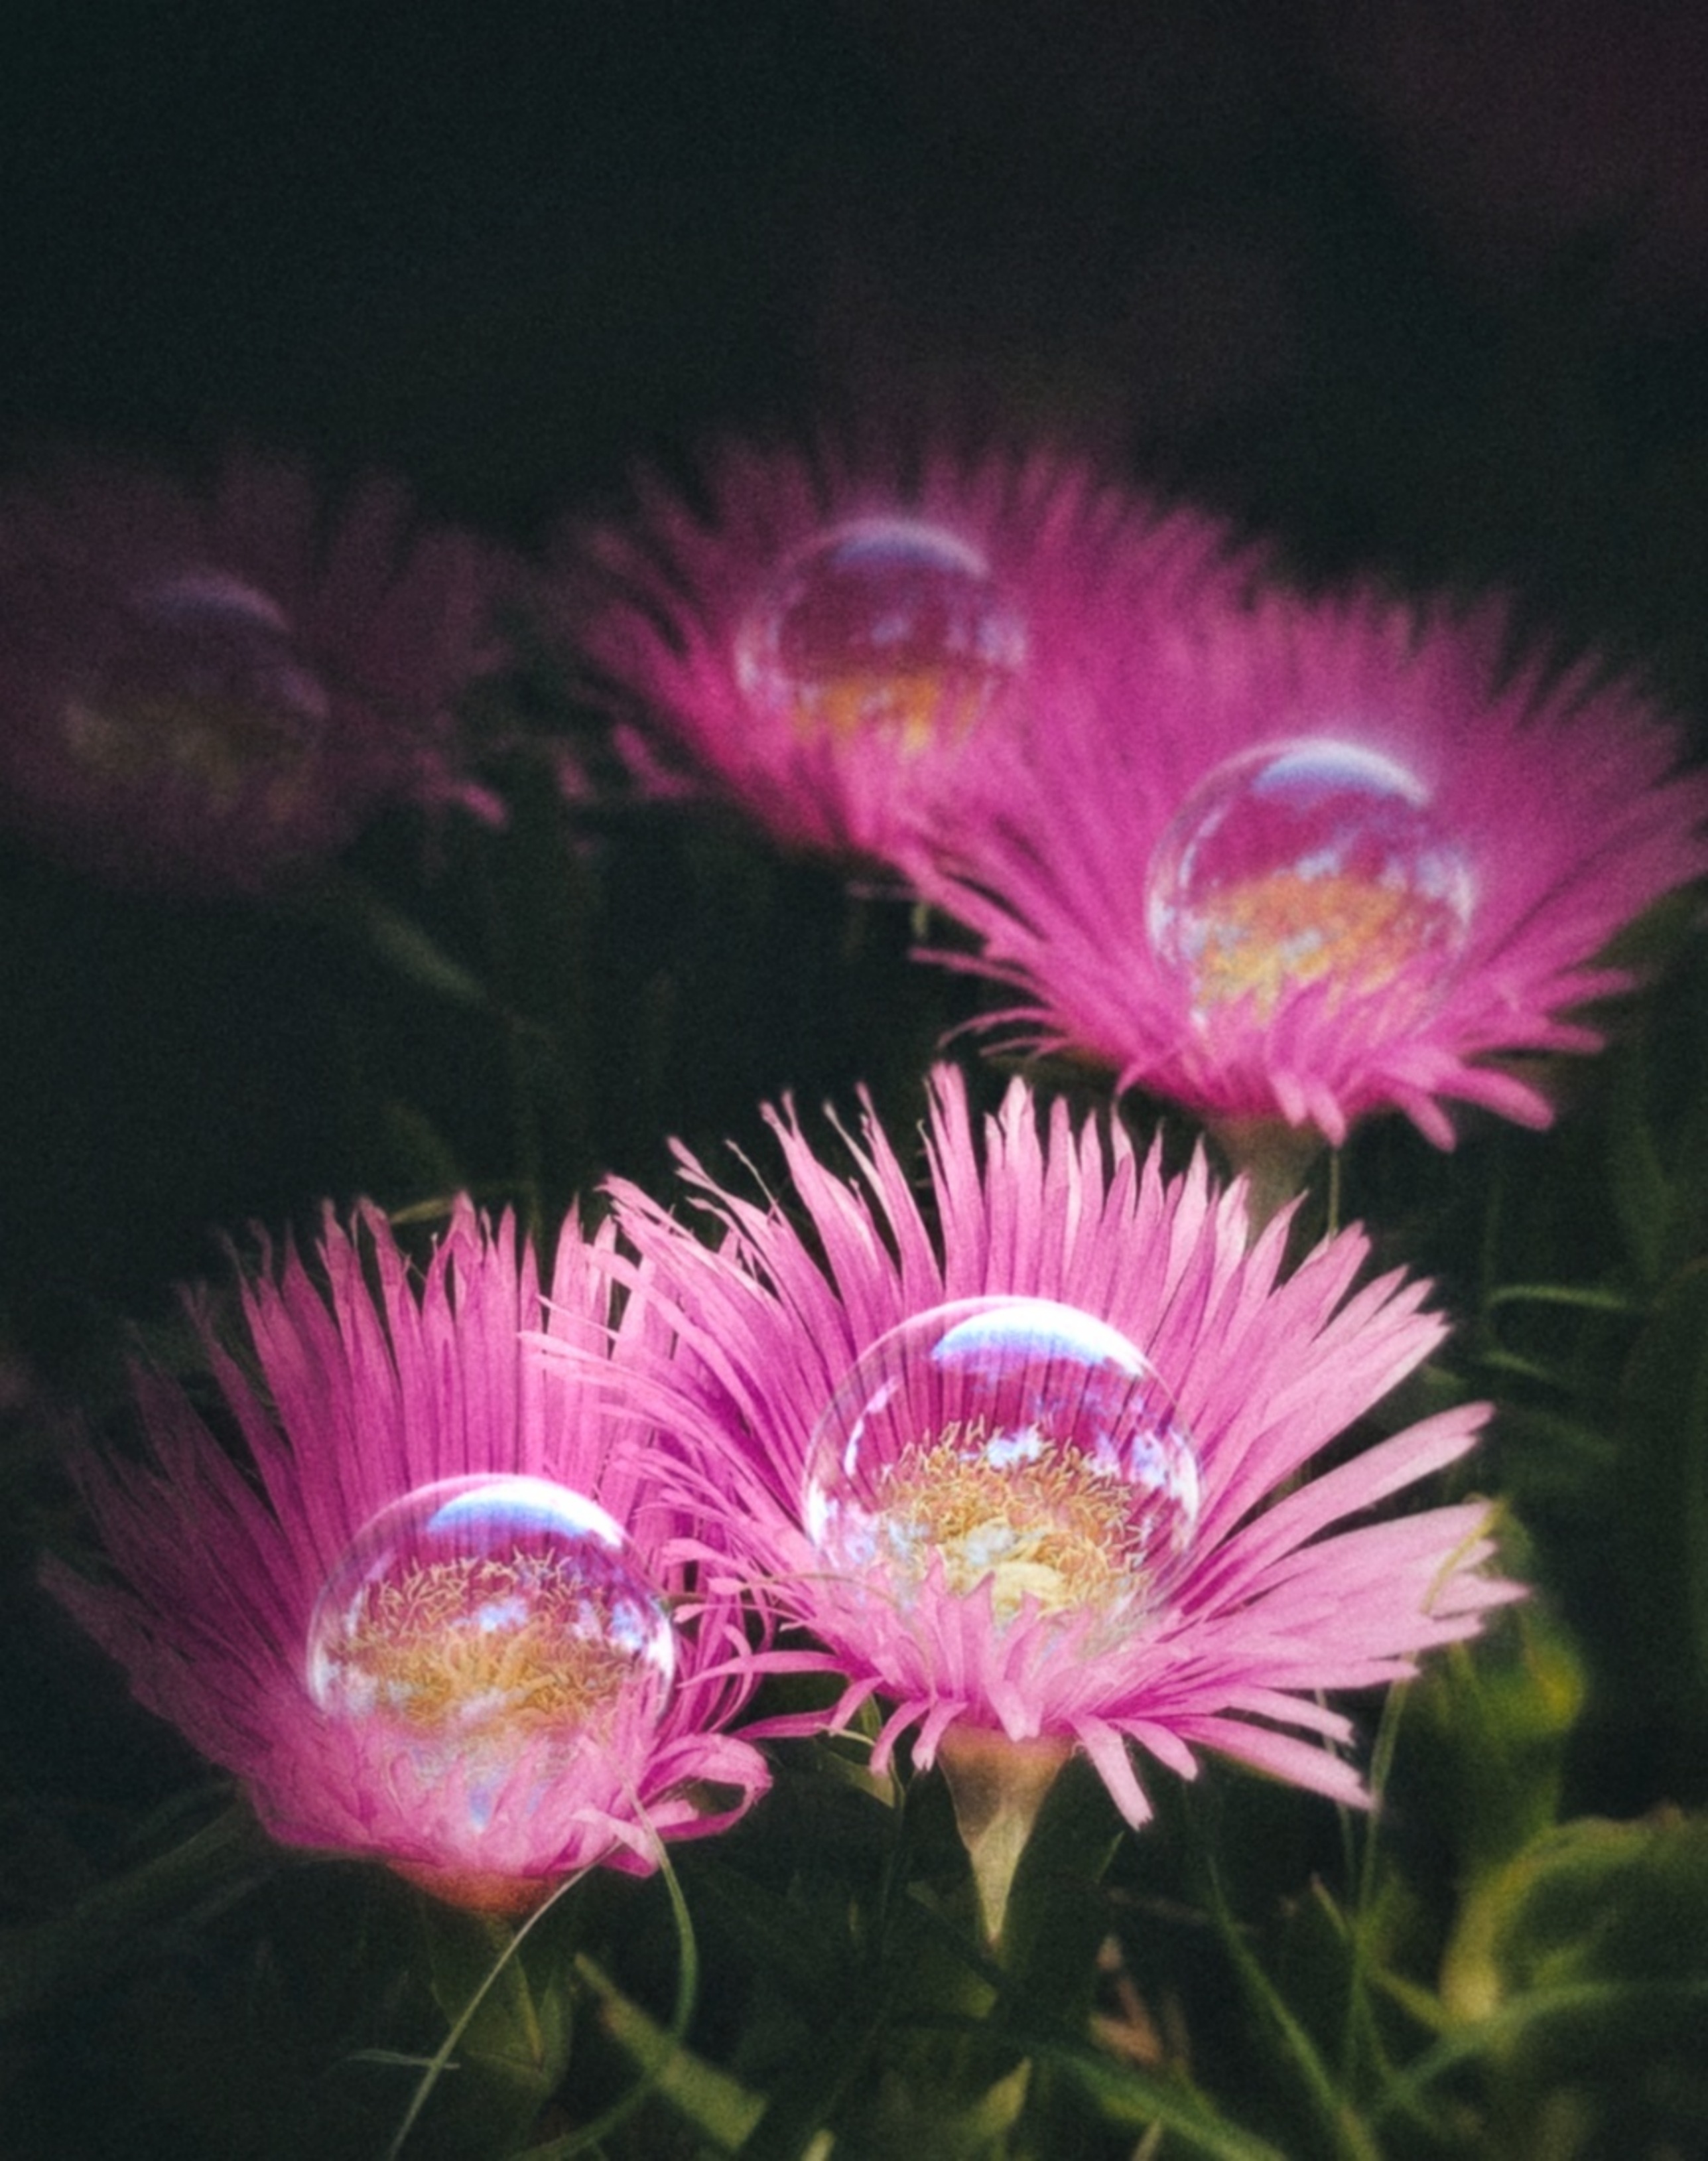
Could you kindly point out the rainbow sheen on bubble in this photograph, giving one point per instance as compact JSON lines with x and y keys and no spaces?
{"x":199,"y":687}
{"x":1007,"y":1442}
{"x":476,"y":1618}
{"x":881,"y":627}
{"x":1309,"y":861}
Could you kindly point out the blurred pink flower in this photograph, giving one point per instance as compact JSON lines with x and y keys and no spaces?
{"x":446,"y":1622}
{"x":1296,"y":861}
{"x":831,"y":641}
{"x":1043,"y":1475}
{"x":201,"y":690}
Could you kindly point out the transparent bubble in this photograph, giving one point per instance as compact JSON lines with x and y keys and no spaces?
{"x":202,"y":686}
{"x":1304,"y":860}
{"x":476,"y":1616}
{"x":883,"y":626}
{"x":1012,"y":1439}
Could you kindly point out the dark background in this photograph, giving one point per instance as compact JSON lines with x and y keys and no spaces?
{"x":1262,"y":248}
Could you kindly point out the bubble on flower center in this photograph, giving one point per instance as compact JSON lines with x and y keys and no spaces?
{"x":474,"y":1618}
{"x":1302,"y":862}
{"x":884,"y":627}
{"x":200,"y":687}
{"x":1006,"y":1442}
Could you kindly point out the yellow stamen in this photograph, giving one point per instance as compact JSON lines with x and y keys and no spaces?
{"x":1049,"y":1526}
{"x":913,"y":708}
{"x":1267,"y":935}
{"x":488,"y":1638}
{"x":221,"y":746}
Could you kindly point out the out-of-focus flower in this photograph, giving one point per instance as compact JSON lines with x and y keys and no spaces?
{"x":833,"y":641}
{"x":200,"y":690}
{"x":447,"y":1622}
{"x":1040,"y":1479}
{"x":1293,"y":861}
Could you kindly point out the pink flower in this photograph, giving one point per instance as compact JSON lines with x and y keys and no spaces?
{"x":448,"y":1622}
{"x":202,"y":689}
{"x":1040,"y":1476}
{"x":834,"y":642}
{"x":1297,"y":861}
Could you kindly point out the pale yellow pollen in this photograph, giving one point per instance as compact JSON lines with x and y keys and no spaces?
{"x":1266,"y":935}
{"x":506,"y":1640}
{"x":219,"y":744}
{"x":1049,"y":1526}
{"x":913,"y":708}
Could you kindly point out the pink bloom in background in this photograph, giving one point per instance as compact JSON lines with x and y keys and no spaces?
{"x":1042,"y":1476}
{"x":201,"y":688}
{"x":833,"y":641}
{"x":451,"y":1626}
{"x":1296,"y":861}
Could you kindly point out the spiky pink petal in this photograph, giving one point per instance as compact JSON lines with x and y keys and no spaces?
{"x":366,"y":1388}
{"x":1279,"y":1597}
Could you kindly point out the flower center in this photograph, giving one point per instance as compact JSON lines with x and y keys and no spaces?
{"x":1009,"y":1441}
{"x":201,"y":688}
{"x":506,"y":1638}
{"x":1050,"y":1529}
{"x":1303,"y":862}
{"x":885,"y":626}
{"x":476,"y":1616}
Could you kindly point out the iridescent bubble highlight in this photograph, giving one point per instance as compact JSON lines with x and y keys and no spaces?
{"x":1012,"y":1442}
{"x":884,"y":627}
{"x":477,"y":1617}
{"x":200,"y":687}
{"x":1306,"y":862}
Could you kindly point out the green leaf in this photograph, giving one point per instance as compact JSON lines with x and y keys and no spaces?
{"x":405,"y":945}
{"x":1642,"y":1191}
{"x":709,"y":2099}
{"x":1135,"y":2100}
{"x":1343,"y":2133}
{"x":46,"y":1959}
{"x":1581,"y":1968}
{"x":1589,"y":1298}
{"x":1663,"y":1506}
{"x":1487,"y":1731}
{"x":510,"y":2036}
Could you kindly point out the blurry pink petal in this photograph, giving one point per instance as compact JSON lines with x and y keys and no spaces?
{"x":1298,"y":860}
{"x":443,"y":1624}
{"x":203,"y":689}
{"x":831,"y":640}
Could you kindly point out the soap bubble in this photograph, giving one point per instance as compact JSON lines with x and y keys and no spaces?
{"x":199,"y":686}
{"x":1301,"y":861}
{"x":1008,"y":1440}
{"x":474,"y":1617}
{"x":883,"y":626}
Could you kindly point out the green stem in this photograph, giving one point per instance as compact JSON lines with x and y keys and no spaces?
{"x":1352,"y":2141}
{"x":1273,"y":1157}
{"x":998,"y":1786}
{"x":508,"y":1943}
